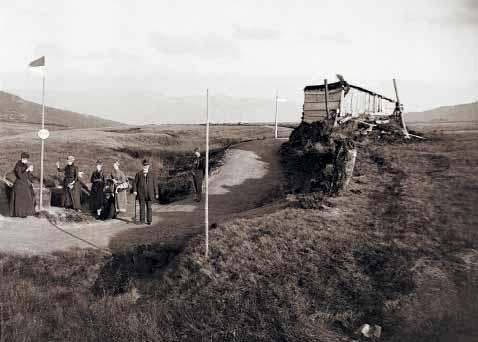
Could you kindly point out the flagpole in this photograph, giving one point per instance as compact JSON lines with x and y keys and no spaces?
{"x":42,"y":141}
{"x":276,"y":116}
{"x":206,"y":173}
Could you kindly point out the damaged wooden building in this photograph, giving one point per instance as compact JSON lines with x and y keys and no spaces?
{"x":344,"y":101}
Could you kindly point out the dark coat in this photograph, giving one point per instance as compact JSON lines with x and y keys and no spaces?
{"x":72,"y":198}
{"x":98,"y":183}
{"x":199,"y":166}
{"x":146,"y":187}
{"x":22,"y":202}
{"x":109,"y":203}
{"x":198,"y":174}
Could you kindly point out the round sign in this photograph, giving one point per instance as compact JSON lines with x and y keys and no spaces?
{"x":43,"y":134}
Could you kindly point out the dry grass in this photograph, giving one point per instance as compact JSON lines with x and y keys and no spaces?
{"x":389,"y":252}
{"x":130,"y":146}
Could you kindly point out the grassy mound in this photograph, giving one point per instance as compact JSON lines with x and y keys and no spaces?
{"x":391,"y":252}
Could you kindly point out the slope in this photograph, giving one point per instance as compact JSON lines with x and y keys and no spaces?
{"x":14,"y":109}
{"x":462,"y":112}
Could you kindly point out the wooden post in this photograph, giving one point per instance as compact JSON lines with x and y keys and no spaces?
{"x":398,"y":111}
{"x":276,"y":117}
{"x":342,"y":103}
{"x":326,"y":99}
{"x":42,"y":153}
{"x":206,"y":173}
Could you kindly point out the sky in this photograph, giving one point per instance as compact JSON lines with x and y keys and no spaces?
{"x":108,"y":56}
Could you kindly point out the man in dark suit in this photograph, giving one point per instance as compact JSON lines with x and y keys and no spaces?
{"x":198,"y":174}
{"x":145,"y":189}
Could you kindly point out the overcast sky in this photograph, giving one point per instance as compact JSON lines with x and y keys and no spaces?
{"x":246,"y":48}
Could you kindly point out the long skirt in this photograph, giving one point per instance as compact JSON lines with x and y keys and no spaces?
{"x":109,"y":211}
{"x":22,"y":202}
{"x":121,"y":201}
{"x":96,"y":198}
{"x":73,"y":197}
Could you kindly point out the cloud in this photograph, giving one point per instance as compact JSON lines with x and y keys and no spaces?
{"x":256,"y":33}
{"x":463,"y":14}
{"x":205,"y":46}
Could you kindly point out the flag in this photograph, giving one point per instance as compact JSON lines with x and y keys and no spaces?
{"x":37,"y":67}
{"x":38,"y":62}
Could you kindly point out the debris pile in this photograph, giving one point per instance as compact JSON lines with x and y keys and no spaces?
{"x":320,"y":157}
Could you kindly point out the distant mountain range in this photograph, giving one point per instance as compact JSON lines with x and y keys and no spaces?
{"x":140,"y":108}
{"x":14,"y":109}
{"x":463,"y":112}
{"x":147,"y":107}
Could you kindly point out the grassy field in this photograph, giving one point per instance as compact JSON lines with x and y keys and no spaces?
{"x":168,"y":147}
{"x":399,"y":250}
{"x":129,"y":145}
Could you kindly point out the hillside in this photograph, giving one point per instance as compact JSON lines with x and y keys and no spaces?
{"x":463,"y":112}
{"x":14,"y":109}
{"x":388,"y":252}
{"x":138,"y":107}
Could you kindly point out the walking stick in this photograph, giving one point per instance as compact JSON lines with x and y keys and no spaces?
{"x":135,"y":200}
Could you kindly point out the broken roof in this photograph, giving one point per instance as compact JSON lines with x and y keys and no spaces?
{"x":338,"y":85}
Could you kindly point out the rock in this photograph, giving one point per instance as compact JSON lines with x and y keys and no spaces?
{"x":206,"y":272}
{"x":369,"y":331}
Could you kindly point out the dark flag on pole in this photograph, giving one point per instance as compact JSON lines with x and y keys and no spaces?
{"x":37,"y":67}
{"x":38,"y":62}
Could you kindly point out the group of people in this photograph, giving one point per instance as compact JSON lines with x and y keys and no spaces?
{"x":108,"y":196}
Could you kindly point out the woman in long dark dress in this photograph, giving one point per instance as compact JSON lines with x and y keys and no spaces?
{"x":71,"y":184}
{"x":98,"y":184}
{"x":23,"y":198}
{"x":109,"y":201}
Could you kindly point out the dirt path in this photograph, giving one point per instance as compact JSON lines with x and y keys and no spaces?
{"x":250,"y":174}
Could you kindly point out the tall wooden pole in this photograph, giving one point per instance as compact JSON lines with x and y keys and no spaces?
{"x":42,"y":142}
{"x":398,"y":110}
{"x":326,"y":99}
{"x":276,"y":116}
{"x":206,"y":173}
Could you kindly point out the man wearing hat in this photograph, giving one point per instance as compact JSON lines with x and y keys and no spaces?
{"x":145,"y":189}
{"x":198,"y":174}
{"x":71,"y":184}
{"x":22,"y":201}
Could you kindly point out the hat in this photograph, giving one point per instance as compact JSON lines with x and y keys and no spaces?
{"x":99,"y":162}
{"x":71,"y":158}
{"x":146,"y":162}
{"x":197,"y":154}
{"x":24,"y":155}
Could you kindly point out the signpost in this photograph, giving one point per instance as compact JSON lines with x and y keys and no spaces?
{"x":277,"y":114}
{"x":43,"y":134}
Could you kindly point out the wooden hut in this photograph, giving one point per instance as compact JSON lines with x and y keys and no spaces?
{"x":344,"y":100}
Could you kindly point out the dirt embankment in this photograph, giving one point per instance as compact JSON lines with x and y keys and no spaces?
{"x":398,"y":250}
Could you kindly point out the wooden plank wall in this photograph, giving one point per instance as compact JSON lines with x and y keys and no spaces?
{"x":314,"y":104}
{"x":355,"y":103}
